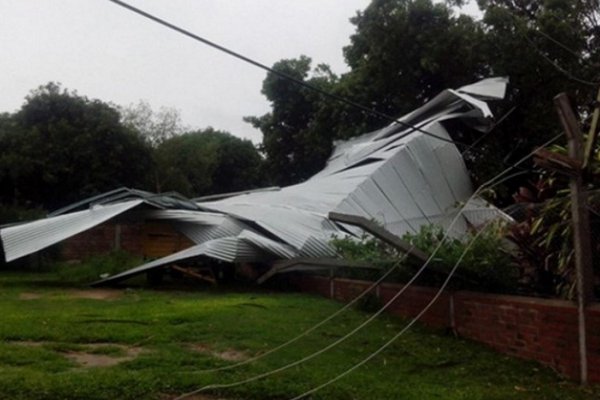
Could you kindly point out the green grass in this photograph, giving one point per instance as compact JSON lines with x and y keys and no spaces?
{"x":37,"y":333}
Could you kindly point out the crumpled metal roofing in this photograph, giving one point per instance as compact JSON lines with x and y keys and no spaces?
{"x":398,"y":176}
{"x":21,"y":240}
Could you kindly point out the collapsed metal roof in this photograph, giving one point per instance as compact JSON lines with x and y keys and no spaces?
{"x":398,"y":176}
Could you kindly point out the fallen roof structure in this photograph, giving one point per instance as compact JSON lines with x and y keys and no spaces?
{"x":398,"y":176}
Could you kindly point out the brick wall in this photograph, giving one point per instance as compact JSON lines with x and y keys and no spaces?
{"x":102,"y":239}
{"x":537,"y":329}
{"x":148,"y":240}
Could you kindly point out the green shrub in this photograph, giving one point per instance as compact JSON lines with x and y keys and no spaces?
{"x":487,"y":265}
{"x":93,"y":268}
{"x":367,"y":248}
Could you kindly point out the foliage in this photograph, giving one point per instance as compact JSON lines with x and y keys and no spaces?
{"x":486,"y":264}
{"x":92,"y":268}
{"x":544,"y":235}
{"x":373,"y":251}
{"x":154,"y":126}
{"x":11,"y":214}
{"x":207,"y":162}
{"x":169,"y":326}
{"x":365,"y":248}
{"x":519,"y":44}
{"x":296,"y":133}
{"x":60,"y":147}
{"x":403,"y":52}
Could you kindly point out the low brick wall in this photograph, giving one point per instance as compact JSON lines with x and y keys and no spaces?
{"x":536,"y":329}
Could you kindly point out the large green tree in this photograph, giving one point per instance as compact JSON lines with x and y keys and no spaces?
{"x":60,"y":147}
{"x":402,"y":53}
{"x":544,"y":47}
{"x":296,"y":133}
{"x":207,"y":162}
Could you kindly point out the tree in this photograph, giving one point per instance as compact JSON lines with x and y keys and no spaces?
{"x":296,"y":133}
{"x":153,"y":126}
{"x":207,"y":162}
{"x":404,"y":52}
{"x":60,"y":147}
{"x":544,"y":47}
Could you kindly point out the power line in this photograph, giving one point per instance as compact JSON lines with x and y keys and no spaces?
{"x":560,"y":44}
{"x":364,"y":109}
{"x":346,"y":336}
{"x":316,"y":326}
{"x":485,"y":135}
{"x":556,"y":65}
{"x":568,"y":74}
{"x":492,"y":182}
{"x":278,"y":73}
{"x":403,"y":330}
{"x":496,"y":180}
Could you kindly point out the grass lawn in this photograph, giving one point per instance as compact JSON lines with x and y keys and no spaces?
{"x":67,"y":343}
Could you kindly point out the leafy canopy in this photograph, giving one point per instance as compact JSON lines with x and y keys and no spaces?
{"x":60,"y":147}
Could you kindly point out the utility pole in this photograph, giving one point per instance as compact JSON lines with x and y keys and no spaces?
{"x":581,"y":225}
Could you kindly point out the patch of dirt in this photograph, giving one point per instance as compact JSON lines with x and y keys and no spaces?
{"x":96,"y":294}
{"x":231,"y":355}
{"x":29,"y":296}
{"x":227,"y":355}
{"x":89,"y":360}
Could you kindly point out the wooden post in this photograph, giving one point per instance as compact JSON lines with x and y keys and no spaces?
{"x":592,"y":135}
{"x":581,"y":225}
{"x":117,"y":243}
{"x":331,"y":284}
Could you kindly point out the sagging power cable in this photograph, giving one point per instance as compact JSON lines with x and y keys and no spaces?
{"x":316,"y":326}
{"x":496,"y":180}
{"x":403,"y":330}
{"x":280,"y":74}
{"x":501,"y":177}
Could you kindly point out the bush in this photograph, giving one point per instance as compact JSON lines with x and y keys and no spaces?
{"x":95,"y":267}
{"x":486,"y":265}
{"x":367,"y":248}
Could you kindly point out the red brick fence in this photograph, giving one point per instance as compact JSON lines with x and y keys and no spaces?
{"x":532,"y":328}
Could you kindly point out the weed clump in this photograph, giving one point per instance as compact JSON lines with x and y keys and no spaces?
{"x":96,"y":267}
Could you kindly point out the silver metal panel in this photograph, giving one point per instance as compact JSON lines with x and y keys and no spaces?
{"x":397,"y":175}
{"x":21,"y":240}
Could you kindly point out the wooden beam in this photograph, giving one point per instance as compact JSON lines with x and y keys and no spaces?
{"x":556,"y":162}
{"x":193,"y":274}
{"x":379,"y":233}
{"x":312,"y":263}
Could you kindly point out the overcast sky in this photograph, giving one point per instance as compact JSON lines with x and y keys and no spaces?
{"x":104,"y":51}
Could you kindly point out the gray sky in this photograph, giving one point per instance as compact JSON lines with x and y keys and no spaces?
{"x":104,"y":51}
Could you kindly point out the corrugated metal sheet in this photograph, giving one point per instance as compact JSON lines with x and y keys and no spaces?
{"x":397,"y":176}
{"x":247,"y":247}
{"x":21,"y":240}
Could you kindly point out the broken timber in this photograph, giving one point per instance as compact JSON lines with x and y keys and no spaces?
{"x":379,"y":233}
{"x":314,"y":264}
